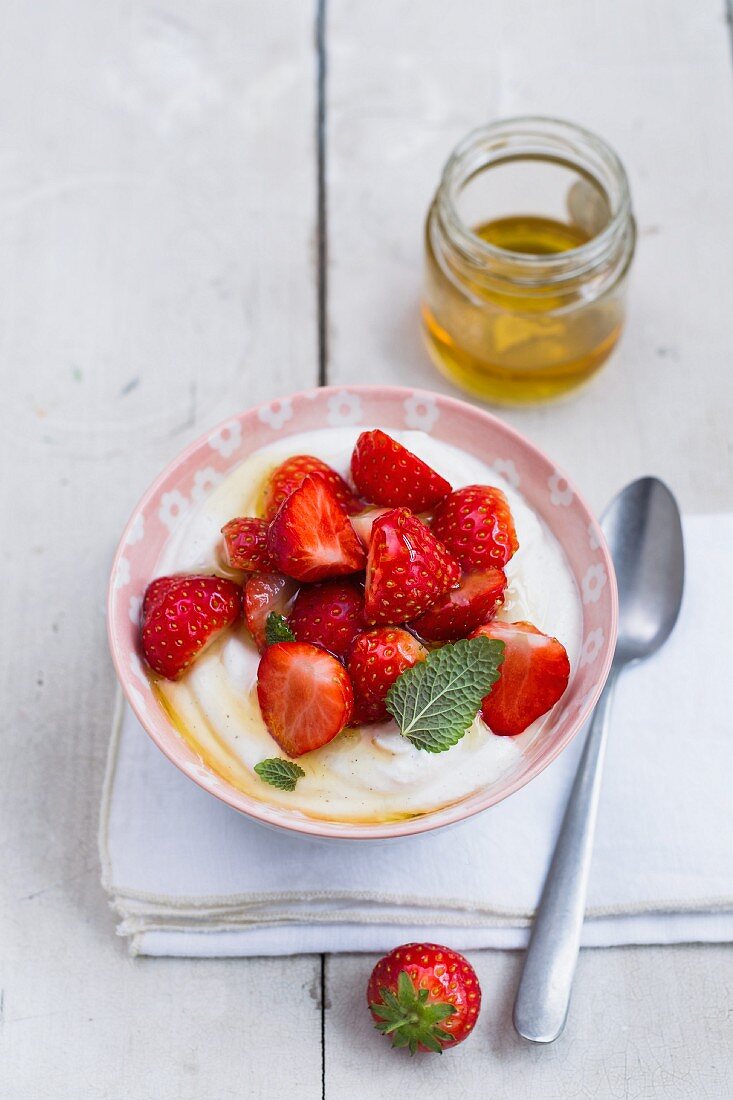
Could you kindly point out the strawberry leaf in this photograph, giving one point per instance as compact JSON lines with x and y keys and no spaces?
{"x":280,"y":773}
{"x":277,"y":629}
{"x":436,"y":701}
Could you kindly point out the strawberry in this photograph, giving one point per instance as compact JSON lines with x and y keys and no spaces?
{"x":407,"y":569}
{"x":387,"y":473}
{"x":182,"y":616}
{"x":245,"y":544}
{"x":289,"y":476}
{"x":265,"y":593}
{"x":532,"y":677}
{"x":476,"y":525}
{"x":156,"y":589}
{"x":425,"y":996}
{"x":305,"y":696}
{"x":311,"y":538}
{"x":330,"y":614}
{"x":363,"y":523}
{"x":375,"y":660}
{"x":462,"y":609}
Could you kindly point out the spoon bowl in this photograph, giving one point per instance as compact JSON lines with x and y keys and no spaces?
{"x":644,"y":534}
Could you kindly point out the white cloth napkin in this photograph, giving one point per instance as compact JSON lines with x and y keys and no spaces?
{"x":189,"y":876}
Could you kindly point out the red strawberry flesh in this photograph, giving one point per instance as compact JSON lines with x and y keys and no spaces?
{"x":329,"y":614}
{"x":289,"y":476}
{"x":182,"y":617}
{"x":532,"y":677}
{"x":461,"y":610}
{"x":476,"y":525}
{"x":408,"y":569}
{"x":305,"y":696}
{"x":376,"y":659}
{"x":311,"y":538}
{"x":265,"y":594}
{"x":245,"y":544}
{"x":385,"y":472}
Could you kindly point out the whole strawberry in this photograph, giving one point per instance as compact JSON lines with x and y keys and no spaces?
{"x":375,"y":660}
{"x":408,"y":569}
{"x":289,"y":476}
{"x":182,"y":615}
{"x":475,"y":523}
{"x":424,"y":996}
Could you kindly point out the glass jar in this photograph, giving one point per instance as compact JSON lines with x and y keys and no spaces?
{"x":529,"y":241}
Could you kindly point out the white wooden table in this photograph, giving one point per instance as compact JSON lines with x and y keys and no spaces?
{"x":170,"y":252}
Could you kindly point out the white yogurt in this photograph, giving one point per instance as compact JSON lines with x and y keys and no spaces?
{"x":371,"y":773}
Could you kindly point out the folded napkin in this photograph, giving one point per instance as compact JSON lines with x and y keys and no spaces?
{"x":190,"y":876}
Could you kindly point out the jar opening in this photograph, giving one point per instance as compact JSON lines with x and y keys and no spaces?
{"x":543,"y":197}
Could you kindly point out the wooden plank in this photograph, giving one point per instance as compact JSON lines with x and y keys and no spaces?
{"x":407,"y":81}
{"x":157,"y":211}
{"x":644,"y":1023}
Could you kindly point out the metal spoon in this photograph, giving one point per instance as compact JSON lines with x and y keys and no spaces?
{"x":644,"y":533}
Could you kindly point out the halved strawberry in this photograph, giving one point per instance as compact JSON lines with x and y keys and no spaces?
{"x":532,"y":677}
{"x":476,"y":525}
{"x":245,"y":544}
{"x":330,"y":614}
{"x":462,"y":609}
{"x":182,"y":616}
{"x":305,"y":696}
{"x":375,"y":660}
{"x":363,"y":523}
{"x":289,"y":475}
{"x":407,"y":569}
{"x":265,"y":593}
{"x":311,"y":538}
{"x":387,"y":473}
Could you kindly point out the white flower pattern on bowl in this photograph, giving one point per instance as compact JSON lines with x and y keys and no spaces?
{"x":173,"y":506}
{"x":344,"y":409}
{"x":421,"y":413}
{"x":561,"y":495}
{"x":505,"y":468}
{"x":277,"y":413}
{"x":593,"y":583}
{"x":227,"y":439}
{"x":203,"y":482}
{"x":591,"y":647}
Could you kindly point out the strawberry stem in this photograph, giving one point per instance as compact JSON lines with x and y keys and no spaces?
{"x":411,"y":1019}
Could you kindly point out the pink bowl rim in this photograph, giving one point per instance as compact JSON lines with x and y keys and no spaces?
{"x":313,"y":827}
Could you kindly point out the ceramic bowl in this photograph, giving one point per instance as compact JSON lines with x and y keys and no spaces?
{"x":202,"y":465}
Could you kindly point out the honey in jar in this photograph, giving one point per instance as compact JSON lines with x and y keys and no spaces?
{"x":528,"y":246}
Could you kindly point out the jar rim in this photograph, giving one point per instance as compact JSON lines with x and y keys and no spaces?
{"x":493,"y":141}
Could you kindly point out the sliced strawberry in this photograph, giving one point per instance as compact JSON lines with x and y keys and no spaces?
{"x":532,"y":677}
{"x":245,"y":544}
{"x":387,"y":473}
{"x":311,"y":538}
{"x":476,"y":525}
{"x":330,"y":614}
{"x":376,"y":659}
{"x":182,"y":616}
{"x":408,"y":570}
{"x":305,"y":696}
{"x":462,"y":609}
{"x":289,"y":476}
{"x":156,"y":589}
{"x":265,"y":593}
{"x":363,"y":523}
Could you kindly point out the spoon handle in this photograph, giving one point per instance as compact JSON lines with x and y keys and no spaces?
{"x":541,"y":1005}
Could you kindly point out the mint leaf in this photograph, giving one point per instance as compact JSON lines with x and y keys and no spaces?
{"x":283,"y":774}
{"x":435,"y":701}
{"x":277,"y":629}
